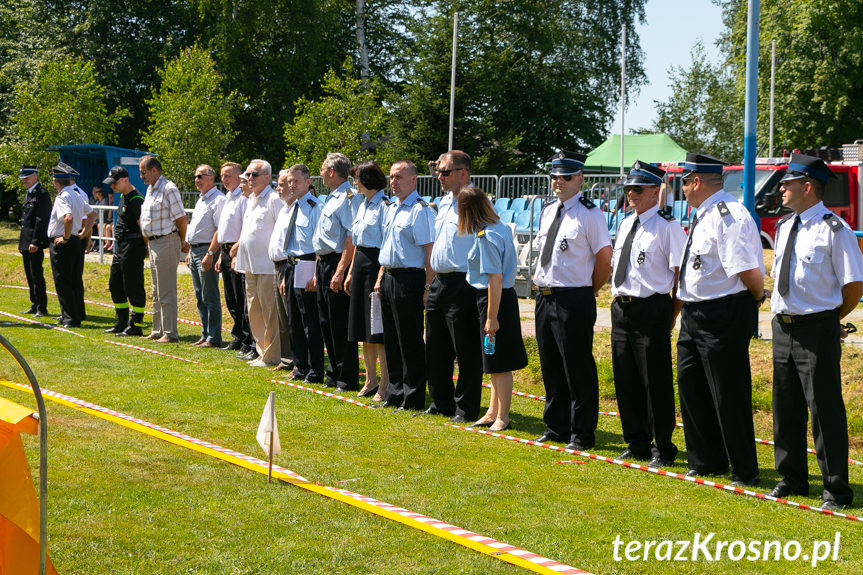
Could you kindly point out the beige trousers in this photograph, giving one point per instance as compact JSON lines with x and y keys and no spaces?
{"x":164,"y":258}
{"x":263,"y":316}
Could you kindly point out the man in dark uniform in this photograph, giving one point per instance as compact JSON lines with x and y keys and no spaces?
{"x":646,"y":259}
{"x":819,"y":272}
{"x":34,"y":237}
{"x":721,"y":283}
{"x":574,"y":263}
{"x":127,"y":268}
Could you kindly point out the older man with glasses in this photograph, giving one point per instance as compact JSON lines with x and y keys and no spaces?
{"x":253,"y":259}
{"x":646,"y":259}
{"x":199,"y":236}
{"x":574,"y":263}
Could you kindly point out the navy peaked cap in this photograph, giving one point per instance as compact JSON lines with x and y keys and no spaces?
{"x":644,"y":174}
{"x":565,"y":163}
{"x":802,"y":166}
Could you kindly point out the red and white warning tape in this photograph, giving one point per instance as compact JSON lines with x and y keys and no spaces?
{"x":680,"y":476}
{"x":39,"y":323}
{"x":324,"y":393}
{"x":153,"y":351}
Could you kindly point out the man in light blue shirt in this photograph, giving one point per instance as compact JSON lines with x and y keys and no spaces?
{"x":452,"y":320}
{"x":335,"y":250}
{"x":403,"y":284}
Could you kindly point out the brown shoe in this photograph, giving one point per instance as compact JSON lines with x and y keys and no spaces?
{"x":153,"y":335}
{"x":199,"y":342}
{"x":207,"y":344}
{"x":167,"y":339}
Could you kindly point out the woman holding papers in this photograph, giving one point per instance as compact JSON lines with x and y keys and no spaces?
{"x":491,"y":266}
{"x":367,"y":233}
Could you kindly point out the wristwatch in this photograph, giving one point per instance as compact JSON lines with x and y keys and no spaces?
{"x":209,"y":253}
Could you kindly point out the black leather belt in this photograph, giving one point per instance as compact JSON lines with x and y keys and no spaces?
{"x":633,"y":299}
{"x":160,"y":237}
{"x":397,"y":271}
{"x":280,"y":263}
{"x":127,"y":237}
{"x":740,"y":294}
{"x":789,"y":318}
{"x":554,"y":290}
{"x":227,"y":247}
{"x":304,"y":257}
{"x":199,"y":245}
{"x":446,"y":275}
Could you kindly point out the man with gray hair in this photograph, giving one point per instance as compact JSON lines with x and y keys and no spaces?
{"x":335,"y":250}
{"x":199,"y":236}
{"x":253,"y":259}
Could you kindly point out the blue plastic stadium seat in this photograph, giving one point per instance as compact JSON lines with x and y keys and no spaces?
{"x":507,"y":216}
{"x":538,"y":204}
{"x":518,"y":204}
{"x":501,"y":204}
{"x":522,"y":222}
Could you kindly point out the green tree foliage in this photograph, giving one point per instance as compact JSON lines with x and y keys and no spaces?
{"x":533,"y":76}
{"x":349,"y":118}
{"x":703,"y":114}
{"x":191,"y":120}
{"x":62,"y":104}
{"x":819,"y":69}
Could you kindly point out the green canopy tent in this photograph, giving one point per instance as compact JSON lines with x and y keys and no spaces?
{"x":652,"y":148}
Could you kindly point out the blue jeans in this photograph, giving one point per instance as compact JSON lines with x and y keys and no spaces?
{"x":206,"y":284}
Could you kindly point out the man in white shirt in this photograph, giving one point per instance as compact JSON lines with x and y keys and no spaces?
{"x":253,"y":259}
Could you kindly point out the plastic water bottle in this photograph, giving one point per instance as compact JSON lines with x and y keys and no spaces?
{"x":488,"y":345}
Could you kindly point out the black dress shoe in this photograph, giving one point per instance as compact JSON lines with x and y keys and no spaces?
{"x":114,"y":329}
{"x":658,"y":462}
{"x":243,"y":351}
{"x":484,"y":424}
{"x":233,"y":345}
{"x":348,"y":388}
{"x":430,"y":411}
{"x":313,"y":380}
{"x":250,"y":356}
{"x":30,"y":310}
{"x":831,"y":505}
{"x":577,"y":446}
{"x":41,"y":313}
{"x":782,"y":490}
{"x":457,"y":419}
{"x":629,"y":454}
{"x":381,"y":405}
{"x":746,"y":482}
{"x":131,"y":330}
{"x":545,"y":437}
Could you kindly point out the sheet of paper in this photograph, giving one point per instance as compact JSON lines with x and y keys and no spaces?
{"x":377,"y":318}
{"x":304,"y":271}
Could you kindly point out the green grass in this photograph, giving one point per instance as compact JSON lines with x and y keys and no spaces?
{"x":121,"y":502}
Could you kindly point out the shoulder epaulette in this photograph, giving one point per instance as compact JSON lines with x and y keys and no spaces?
{"x":350,"y":194}
{"x":833,"y":222}
{"x":422,"y":202}
{"x":587,"y":203}
{"x":386,"y":200}
{"x":480,"y":233}
{"x":723,"y":209}
{"x":784,"y":219}
{"x":311,"y":202}
{"x":666,"y":214}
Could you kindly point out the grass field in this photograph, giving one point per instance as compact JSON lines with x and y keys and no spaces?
{"x":121,"y":502}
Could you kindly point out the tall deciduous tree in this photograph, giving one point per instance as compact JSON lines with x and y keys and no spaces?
{"x":703,"y":114}
{"x":533,"y":76}
{"x":62,"y":104}
{"x":349,"y":118}
{"x":191,"y":119}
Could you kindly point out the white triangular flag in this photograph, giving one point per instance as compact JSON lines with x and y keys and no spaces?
{"x":268,"y":424}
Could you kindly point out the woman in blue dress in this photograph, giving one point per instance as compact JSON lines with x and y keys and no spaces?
{"x":367,"y":234}
{"x":491,"y":268}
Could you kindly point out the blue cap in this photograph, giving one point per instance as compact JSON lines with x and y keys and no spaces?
{"x":27,"y":171}
{"x":802,"y":166}
{"x":566,"y":163}
{"x":64,"y":171}
{"x":701,"y":164}
{"x":644,"y":174}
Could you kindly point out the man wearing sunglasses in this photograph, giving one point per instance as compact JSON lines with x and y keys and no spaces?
{"x":199,"y":236}
{"x":646,"y":258}
{"x":819,"y":280}
{"x":163,"y":223}
{"x":721,"y":284}
{"x":574,"y":263}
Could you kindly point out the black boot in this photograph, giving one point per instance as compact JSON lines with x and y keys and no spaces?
{"x":135,"y":323}
{"x":120,"y":322}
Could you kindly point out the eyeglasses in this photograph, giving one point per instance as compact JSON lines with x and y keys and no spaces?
{"x":199,"y":176}
{"x":564,"y":178}
{"x":448,"y":172}
{"x":252,"y":174}
{"x":635,"y":189}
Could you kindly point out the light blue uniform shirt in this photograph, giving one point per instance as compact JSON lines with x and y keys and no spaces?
{"x":493,"y":252}
{"x":308,"y":214}
{"x":337,"y":219}
{"x":450,"y":249}
{"x":409,"y":226}
{"x":368,"y":230}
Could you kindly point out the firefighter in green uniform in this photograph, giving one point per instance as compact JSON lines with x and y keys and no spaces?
{"x":127,"y":270}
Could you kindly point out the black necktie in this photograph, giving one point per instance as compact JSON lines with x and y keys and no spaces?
{"x":623,"y":264}
{"x":686,"y":251}
{"x":785,"y":270}
{"x":551,"y":237}
{"x":294,"y":209}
